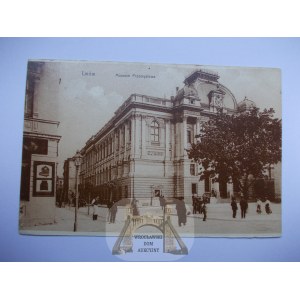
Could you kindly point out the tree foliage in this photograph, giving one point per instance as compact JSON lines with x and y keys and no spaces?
{"x":232,"y":147}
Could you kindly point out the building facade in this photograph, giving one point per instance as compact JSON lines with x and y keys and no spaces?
{"x":40,"y":152}
{"x":69,"y":181}
{"x":141,"y":152}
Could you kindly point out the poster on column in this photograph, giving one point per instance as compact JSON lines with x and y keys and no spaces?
{"x":151,"y":155}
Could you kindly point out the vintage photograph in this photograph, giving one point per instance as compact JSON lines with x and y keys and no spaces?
{"x":164,"y":151}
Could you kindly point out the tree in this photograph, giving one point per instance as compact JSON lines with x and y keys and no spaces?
{"x":233,"y":147}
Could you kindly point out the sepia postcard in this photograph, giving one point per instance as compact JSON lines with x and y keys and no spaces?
{"x":151,"y":153}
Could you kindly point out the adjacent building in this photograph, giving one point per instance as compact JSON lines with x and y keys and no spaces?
{"x":40,"y":152}
{"x":69,"y":181}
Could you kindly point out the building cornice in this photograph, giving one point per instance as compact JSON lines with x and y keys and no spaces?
{"x":42,"y":121}
{"x":42,"y":135}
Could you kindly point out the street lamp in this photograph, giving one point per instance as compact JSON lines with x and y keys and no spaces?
{"x":77,"y":160}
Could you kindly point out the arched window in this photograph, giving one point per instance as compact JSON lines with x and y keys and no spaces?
{"x":154,"y":131}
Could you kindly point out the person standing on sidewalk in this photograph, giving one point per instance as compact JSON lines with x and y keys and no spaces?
{"x":134,"y":206}
{"x":267,"y":206}
{"x":204,"y":210}
{"x":244,"y":207}
{"x":194,"y":201}
{"x":95,"y":209}
{"x":258,"y":206}
{"x":109,"y":206}
{"x":162,"y":201}
{"x":234,"y":207}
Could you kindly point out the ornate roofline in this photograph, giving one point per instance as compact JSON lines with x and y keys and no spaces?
{"x":203,"y":74}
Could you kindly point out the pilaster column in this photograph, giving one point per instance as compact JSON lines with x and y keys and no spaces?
{"x":184,"y":136}
{"x":133,"y":136}
{"x":198,"y":126}
{"x":167,"y":139}
{"x":125,"y":140}
{"x":143,"y":135}
{"x":35,"y":98}
{"x":114,"y":145}
{"x":138,"y":134}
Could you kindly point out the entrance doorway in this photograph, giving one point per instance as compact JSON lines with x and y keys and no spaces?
{"x":223,"y":188}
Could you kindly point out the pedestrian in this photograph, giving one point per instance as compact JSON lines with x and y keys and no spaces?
{"x":258,"y":206}
{"x":113,"y":213}
{"x":204,"y":210}
{"x":267,"y":207}
{"x":194,"y":201}
{"x":109,"y":206}
{"x":181,"y":212}
{"x":244,"y":207}
{"x":234,"y":207}
{"x":95,"y":209}
{"x":135,"y":210}
{"x":213,"y":193}
{"x":162,"y":201}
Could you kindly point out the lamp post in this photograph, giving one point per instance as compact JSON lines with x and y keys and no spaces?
{"x":77,"y":160}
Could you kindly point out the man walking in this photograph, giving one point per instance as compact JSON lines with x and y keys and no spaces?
{"x":234,"y":207}
{"x":204,"y":210}
{"x":244,"y":207}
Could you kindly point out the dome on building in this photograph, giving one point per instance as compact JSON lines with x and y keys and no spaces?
{"x":245,"y":105}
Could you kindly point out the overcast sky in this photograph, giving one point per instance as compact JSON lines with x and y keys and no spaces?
{"x":84,"y":103}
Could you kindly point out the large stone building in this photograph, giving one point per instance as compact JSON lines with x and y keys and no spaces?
{"x":40,"y":152}
{"x":141,"y":152}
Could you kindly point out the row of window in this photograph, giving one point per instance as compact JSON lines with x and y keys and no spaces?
{"x":106,"y":148}
{"x":107,"y":174}
{"x":118,"y":193}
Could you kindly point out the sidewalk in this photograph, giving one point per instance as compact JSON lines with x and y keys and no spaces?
{"x":223,"y":211}
{"x":64,"y":223}
{"x":219,"y":222}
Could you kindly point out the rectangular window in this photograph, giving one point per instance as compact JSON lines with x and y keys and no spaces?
{"x":192,"y":169}
{"x":129,"y":131}
{"x":189,"y":136}
{"x":126,"y":191}
{"x":194,"y":188}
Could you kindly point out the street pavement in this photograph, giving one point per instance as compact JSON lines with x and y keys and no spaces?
{"x":219,"y":222}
